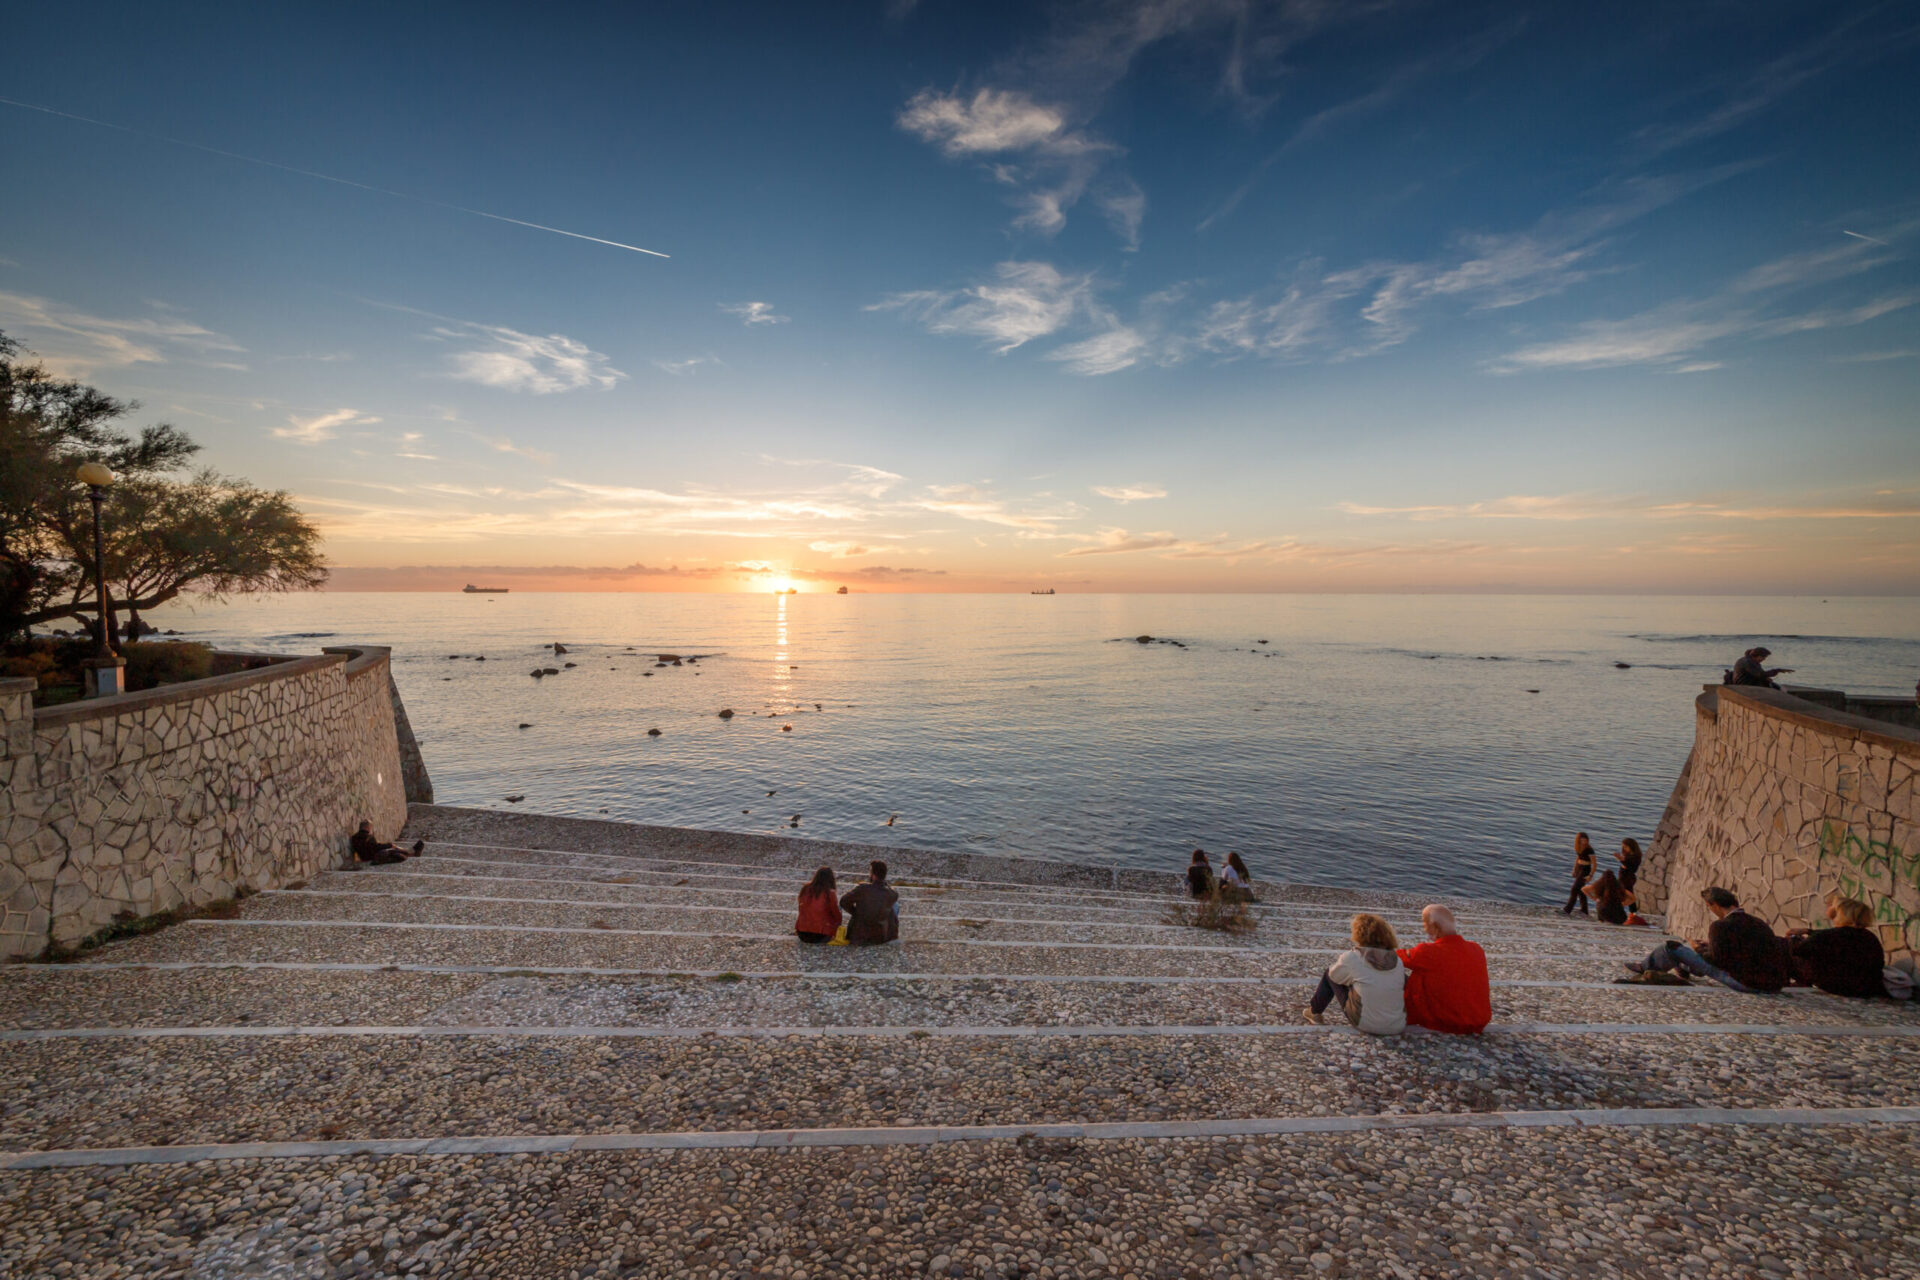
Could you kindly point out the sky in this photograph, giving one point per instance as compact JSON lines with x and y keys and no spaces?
{"x":1138,"y":295}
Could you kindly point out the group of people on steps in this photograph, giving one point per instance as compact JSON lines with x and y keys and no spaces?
{"x":1611,"y":892}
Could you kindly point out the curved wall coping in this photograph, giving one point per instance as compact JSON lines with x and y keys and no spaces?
{"x":1811,"y":715}
{"x":355,"y":659}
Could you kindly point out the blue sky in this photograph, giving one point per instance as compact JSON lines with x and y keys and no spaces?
{"x":1179,"y":295}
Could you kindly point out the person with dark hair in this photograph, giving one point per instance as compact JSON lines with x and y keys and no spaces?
{"x":373,"y":852}
{"x":872,"y":910}
{"x":1740,"y":951}
{"x":1747,"y":670}
{"x":1236,"y":882}
{"x":1630,"y":858}
{"x":1845,"y":960}
{"x":1199,"y":875}
{"x":1610,"y":898}
{"x":1583,"y":864}
{"x":819,"y":909}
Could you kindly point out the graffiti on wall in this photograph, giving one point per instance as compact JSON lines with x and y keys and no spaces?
{"x":1873,"y":871}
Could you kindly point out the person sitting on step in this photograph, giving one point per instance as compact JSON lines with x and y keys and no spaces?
{"x":378,"y":853}
{"x":1199,"y":875}
{"x":872,"y":910}
{"x":1845,"y":960}
{"x":819,"y":909}
{"x":1369,"y":981}
{"x":1740,"y":953}
{"x":1236,"y":882}
{"x":1610,"y":898}
{"x":1447,"y":986}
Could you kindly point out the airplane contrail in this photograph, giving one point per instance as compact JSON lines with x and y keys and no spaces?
{"x":1869,"y":239}
{"x":327,"y":177}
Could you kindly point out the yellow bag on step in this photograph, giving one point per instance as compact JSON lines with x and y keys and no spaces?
{"x":839,"y":938}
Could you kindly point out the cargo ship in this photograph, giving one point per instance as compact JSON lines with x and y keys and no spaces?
{"x":472,"y":590}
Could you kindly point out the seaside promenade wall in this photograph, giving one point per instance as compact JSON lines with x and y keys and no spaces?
{"x":184,"y":794}
{"x":1786,"y":797}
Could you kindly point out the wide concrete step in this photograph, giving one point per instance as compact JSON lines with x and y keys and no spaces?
{"x":434,"y":876}
{"x":44,"y":996}
{"x":81,"y":1092}
{"x":1634,"y":1202}
{"x":438,"y":906}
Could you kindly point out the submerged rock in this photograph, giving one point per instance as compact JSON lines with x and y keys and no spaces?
{"x":653,"y":733}
{"x":558,"y":648}
{"x":726,"y":713}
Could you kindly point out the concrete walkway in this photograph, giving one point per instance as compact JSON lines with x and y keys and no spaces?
{"x":563,"y":1048}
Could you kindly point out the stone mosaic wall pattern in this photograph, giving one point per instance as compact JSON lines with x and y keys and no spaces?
{"x":1783,"y":801}
{"x":182,"y":795}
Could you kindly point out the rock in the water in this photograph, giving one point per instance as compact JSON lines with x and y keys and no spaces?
{"x":653,"y":733}
{"x":786,"y":728}
{"x":569,"y":664}
{"x":1624,"y":666}
{"x":536,"y":673}
{"x":525,"y":725}
{"x":558,"y":648}
{"x":726,"y":713}
{"x":1533,"y":691}
{"x":515,"y":799}
{"x":1259,"y":641}
{"x":480,"y":657}
{"x":551,"y":671}
{"x":1143,"y":639}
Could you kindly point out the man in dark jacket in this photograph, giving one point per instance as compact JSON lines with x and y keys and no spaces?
{"x":872,"y":915}
{"x":378,"y":853}
{"x":1748,"y":671}
{"x":1740,"y":952}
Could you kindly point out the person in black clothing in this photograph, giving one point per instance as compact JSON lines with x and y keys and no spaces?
{"x":1610,"y":898}
{"x":1583,"y":864}
{"x":1845,"y":960}
{"x":1199,"y":875}
{"x":378,"y":853}
{"x":1748,"y":671}
{"x":1629,"y":856}
{"x":1740,"y":952}
{"x":872,"y":917}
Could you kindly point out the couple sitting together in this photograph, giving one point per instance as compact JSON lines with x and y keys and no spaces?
{"x":1742,"y":954}
{"x":1440,"y":984}
{"x":872,"y":910}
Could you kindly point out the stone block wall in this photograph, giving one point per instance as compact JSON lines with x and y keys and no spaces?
{"x":185,"y":794}
{"x":1783,"y":801}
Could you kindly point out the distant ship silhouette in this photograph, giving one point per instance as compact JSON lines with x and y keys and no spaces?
{"x":472,"y":590}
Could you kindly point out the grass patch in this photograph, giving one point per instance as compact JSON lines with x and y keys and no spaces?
{"x":128,"y":925}
{"x":1214,"y":912}
{"x":727,"y":977}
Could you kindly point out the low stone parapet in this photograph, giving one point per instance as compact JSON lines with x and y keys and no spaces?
{"x":135,"y":804}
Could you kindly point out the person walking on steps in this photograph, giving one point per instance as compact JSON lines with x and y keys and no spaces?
{"x":1583,"y":864}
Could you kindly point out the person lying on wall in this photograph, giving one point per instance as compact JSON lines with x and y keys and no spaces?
{"x":371,"y":852}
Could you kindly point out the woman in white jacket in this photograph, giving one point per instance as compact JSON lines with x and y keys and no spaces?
{"x":1369,"y":981}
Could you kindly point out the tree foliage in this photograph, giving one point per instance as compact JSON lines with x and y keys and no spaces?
{"x":165,"y":535}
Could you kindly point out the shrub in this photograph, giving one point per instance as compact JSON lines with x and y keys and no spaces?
{"x":157,"y":662}
{"x":1214,"y":911}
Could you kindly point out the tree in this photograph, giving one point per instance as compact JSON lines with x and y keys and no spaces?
{"x":206,"y":534}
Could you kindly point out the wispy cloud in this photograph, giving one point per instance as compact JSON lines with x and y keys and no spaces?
{"x":514,"y":361}
{"x":322,"y":426}
{"x":75,"y":343}
{"x":752,"y":313}
{"x":840,"y":550}
{"x":680,"y":368}
{"x":1024,"y":301}
{"x":971,"y":502}
{"x":1880,"y":505}
{"x":1130,"y":492}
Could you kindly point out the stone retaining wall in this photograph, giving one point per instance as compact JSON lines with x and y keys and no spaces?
{"x":182,"y":795}
{"x":1785,"y":799}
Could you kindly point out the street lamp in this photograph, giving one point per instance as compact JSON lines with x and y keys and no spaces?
{"x":106,"y":670}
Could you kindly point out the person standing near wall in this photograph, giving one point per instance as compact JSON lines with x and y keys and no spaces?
{"x":1583,"y":864}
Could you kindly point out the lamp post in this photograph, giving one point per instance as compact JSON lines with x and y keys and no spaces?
{"x":106,"y":670}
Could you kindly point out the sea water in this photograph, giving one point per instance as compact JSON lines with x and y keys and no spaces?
{"x":1427,"y":743}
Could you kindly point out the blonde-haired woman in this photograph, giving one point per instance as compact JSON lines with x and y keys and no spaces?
{"x":1845,"y":959}
{"x":1369,"y":981}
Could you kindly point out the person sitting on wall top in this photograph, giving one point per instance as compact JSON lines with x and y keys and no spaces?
{"x":1748,"y":671}
{"x":1447,"y":986}
{"x":378,"y":853}
{"x":1741,"y":953}
{"x":1845,"y":960}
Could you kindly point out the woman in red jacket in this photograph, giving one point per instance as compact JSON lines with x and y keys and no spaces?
{"x":819,"y":908}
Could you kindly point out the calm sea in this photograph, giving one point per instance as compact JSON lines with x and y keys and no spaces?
{"x":1407,"y":742}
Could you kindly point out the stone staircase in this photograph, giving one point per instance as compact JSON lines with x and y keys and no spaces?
{"x":552,"y":1047}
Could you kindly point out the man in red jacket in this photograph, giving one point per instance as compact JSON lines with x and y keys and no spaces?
{"x":1447,"y":987}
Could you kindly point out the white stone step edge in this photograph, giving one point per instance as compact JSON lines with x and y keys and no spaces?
{"x":941,"y":1031}
{"x":1328,"y":951}
{"x":1334,"y":937}
{"x":1340,"y":914}
{"x":35,"y":971}
{"x":788,"y":1139}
